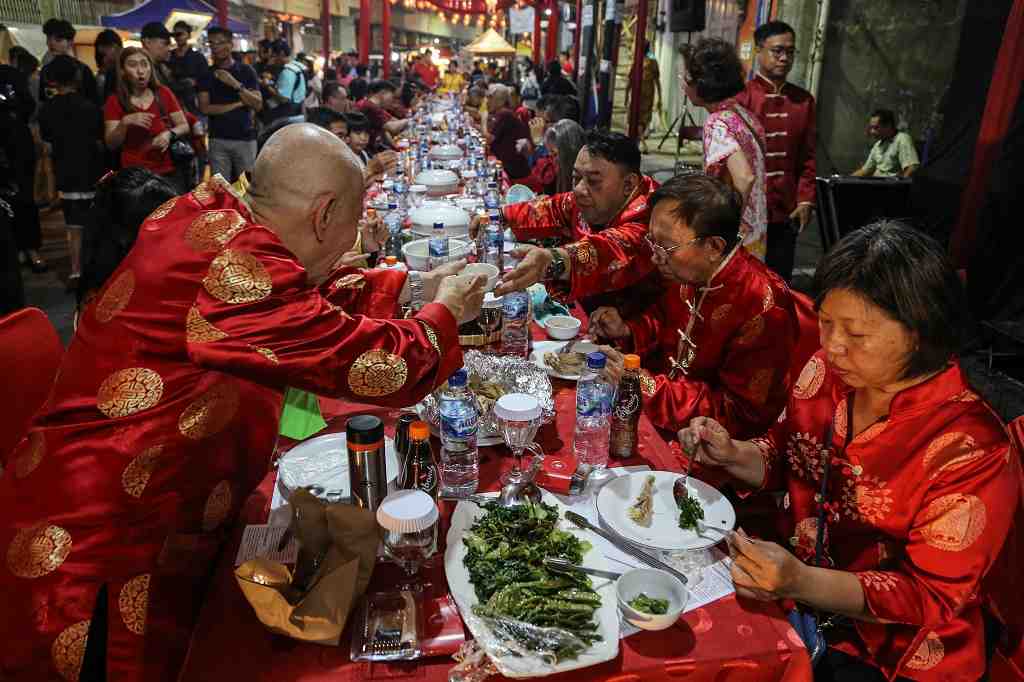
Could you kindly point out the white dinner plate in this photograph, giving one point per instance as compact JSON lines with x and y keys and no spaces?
{"x":618,"y":495}
{"x":542,"y":347}
{"x":323,"y":462}
{"x":483,"y":439}
{"x":465,"y":596}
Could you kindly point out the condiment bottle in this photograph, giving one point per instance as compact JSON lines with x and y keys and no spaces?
{"x":626,"y":413}
{"x":405,"y":420}
{"x":419,"y":471}
{"x":364,"y":436}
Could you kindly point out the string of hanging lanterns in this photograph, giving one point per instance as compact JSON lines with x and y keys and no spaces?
{"x":486,"y":12}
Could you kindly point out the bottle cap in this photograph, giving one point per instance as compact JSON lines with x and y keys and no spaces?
{"x":517,"y":407}
{"x":392,"y":206}
{"x":364,"y":429}
{"x":595,"y":360}
{"x":459,"y":378}
{"x":438,"y":226}
{"x":419,"y":431}
{"x":631,"y":361}
{"x":492,"y":301}
{"x":407,"y":511}
{"x":371,"y":212}
{"x":391,"y":260}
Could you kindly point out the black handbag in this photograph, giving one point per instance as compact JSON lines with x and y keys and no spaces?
{"x":182,"y":153}
{"x":806,"y":622}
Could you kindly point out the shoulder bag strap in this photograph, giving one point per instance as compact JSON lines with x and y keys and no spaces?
{"x":819,"y":543}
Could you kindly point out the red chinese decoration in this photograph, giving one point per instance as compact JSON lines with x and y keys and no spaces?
{"x":481,"y":7}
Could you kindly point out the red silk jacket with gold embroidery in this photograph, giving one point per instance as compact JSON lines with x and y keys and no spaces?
{"x":920,"y":504}
{"x":608,"y":260}
{"x":726,"y":350}
{"x":163,"y":420}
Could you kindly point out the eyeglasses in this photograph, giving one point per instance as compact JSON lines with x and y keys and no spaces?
{"x":780,"y":52}
{"x":661,"y":252}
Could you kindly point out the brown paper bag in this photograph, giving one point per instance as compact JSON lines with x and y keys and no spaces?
{"x":347,"y":537}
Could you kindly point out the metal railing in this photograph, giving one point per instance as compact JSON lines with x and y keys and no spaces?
{"x":24,"y":11}
{"x":78,"y":12}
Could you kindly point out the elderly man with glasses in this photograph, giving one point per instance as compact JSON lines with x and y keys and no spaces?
{"x":724,"y":336}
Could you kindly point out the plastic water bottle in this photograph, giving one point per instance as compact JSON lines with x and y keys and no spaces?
{"x":460,"y":416}
{"x":494,"y":244}
{"x":594,"y":398}
{"x":401,"y":187}
{"x":515,"y":324}
{"x":393,"y":221}
{"x":492,"y":200}
{"x":437,"y":247}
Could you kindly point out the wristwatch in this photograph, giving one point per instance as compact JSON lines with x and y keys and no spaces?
{"x":557,"y":266}
{"x":416,"y":291}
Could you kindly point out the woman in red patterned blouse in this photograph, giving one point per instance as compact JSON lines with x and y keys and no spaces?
{"x":920,"y":485}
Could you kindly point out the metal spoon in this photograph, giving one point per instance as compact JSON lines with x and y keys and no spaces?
{"x":681,"y":494}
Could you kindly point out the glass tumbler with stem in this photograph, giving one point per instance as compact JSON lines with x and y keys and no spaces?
{"x":519,"y":416}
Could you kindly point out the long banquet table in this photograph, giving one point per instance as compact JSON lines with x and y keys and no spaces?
{"x":725,"y":641}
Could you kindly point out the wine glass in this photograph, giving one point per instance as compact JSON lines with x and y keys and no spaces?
{"x":409,"y":519}
{"x":519,"y":417}
{"x":490,"y":319}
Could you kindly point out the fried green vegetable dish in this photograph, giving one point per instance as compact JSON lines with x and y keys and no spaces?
{"x":690,"y":512}
{"x":653,"y":605}
{"x":505,"y":555}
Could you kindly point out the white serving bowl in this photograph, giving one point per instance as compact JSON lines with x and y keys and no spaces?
{"x":490,"y":271}
{"x":657,"y":585}
{"x":456,"y":220}
{"x":417,"y":257}
{"x":562,"y":327}
{"x":438,"y":181}
{"x":445,"y":152}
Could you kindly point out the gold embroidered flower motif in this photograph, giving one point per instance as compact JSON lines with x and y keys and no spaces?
{"x":206,"y":191}
{"x":211,"y":412}
{"x":768,"y":300}
{"x":721,"y":314}
{"x":133,"y":601}
{"x":810,"y":379}
{"x":377,"y":373}
{"x":199,"y":330}
{"x":33,"y":449}
{"x":950,"y":451}
{"x":136,"y":475}
{"x":839,"y":419}
{"x":116,"y":297}
{"x":38,"y":550}
{"x":584,"y":257}
{"x":68,"y":650}
{"x":750,"y":331}
{"x":218,"y":506}
{"x":353,"y":281}
{"x":211,"y":230}
{"x":761,"y":385}
{"x":805,"y":538}
{"x":647,"y":383}
{"x":431,"y":336}
{"x":871,"y":432}
{"x":865,"y":498}
{"x":880,"y":581}
{"x":929,"y":654}
{"x":128,"y":391}
{"x":267,"y":353}
{"x":163,"y":210}
{"x":967,"y":396}
{"x":803,"y":452}
{"x":953,"y":522}
{"x":237,"y":277}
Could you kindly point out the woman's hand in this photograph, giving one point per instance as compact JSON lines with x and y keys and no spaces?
{"x":707,"y":442}
{"x":537,"y":127}
{"x":139,"y":118}
{"x":763,"y":570}
{"x":162,"y":141}
{"x":607,"y":324}
{"x":614,"y":364}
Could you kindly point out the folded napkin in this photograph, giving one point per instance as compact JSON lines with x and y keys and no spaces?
{"x":543,"y":305}
{"x":301,"y":416}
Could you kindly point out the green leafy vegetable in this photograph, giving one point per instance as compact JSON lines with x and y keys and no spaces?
{"x":505,"y":551}
{"x":642,"y":602}
{"x":689,"y":513}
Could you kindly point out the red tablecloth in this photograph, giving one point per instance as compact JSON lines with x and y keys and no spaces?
{"x":724,"y":641}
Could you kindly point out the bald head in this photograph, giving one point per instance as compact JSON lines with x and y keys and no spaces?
{"x":308,"y":189}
